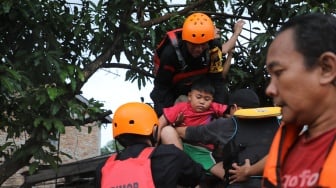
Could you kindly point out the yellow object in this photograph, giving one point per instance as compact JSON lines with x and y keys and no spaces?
{"x":216,"y":60}
{"x":134,"y":118}
{"x":258,"y":112}
{"x":198,"y":28}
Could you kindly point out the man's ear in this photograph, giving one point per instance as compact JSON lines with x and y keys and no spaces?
{"x":189,"y":96}
{"x":233,"y":109}
{"x":328,"y":68}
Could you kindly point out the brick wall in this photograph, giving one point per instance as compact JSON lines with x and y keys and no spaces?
{"x":79,"y":144}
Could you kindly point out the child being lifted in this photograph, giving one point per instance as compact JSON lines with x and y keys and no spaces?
{"x":198,"y":110}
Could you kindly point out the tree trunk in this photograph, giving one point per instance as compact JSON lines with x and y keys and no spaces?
{"x":20,"y":159}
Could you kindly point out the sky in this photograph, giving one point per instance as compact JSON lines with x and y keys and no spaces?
{"x":110,"y":88}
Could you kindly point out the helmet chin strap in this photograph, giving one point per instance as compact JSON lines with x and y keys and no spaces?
{"x":155,"y":136}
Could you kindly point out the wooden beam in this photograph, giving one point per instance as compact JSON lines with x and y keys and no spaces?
{"x":70,"y":169}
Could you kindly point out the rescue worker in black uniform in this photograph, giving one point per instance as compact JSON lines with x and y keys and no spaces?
{"x":201,"y":52}
{"x":141,"y":164}
{"x":242,"y":139}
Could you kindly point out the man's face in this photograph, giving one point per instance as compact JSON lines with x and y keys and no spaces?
{"x":200,"y":101}
{"x":293,"y":87}
{"x":196,"y":49}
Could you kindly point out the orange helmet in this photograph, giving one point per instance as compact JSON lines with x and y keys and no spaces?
{"x":134,"y":118}
{"x":198,"y":28}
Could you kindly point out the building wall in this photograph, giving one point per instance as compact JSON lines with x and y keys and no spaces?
{"x":79,"y":144}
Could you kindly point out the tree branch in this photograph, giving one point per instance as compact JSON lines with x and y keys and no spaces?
{"x":97,"y":63}
{"x":166,"y":17}
{"x":127,"y":66}
{"x":91,"y":68}
{"x":21,"y":158}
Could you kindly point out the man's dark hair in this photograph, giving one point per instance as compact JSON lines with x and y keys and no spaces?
{"x":314,"y":34}
{"x":203,"y":84}
{"x":131,"y":139}
{"x":245,"y":98}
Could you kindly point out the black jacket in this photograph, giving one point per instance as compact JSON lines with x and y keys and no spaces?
{"x":165,"y":91}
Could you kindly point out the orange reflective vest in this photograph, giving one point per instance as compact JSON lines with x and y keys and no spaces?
{"x":283,"y":140}
{"x":130,"y":173}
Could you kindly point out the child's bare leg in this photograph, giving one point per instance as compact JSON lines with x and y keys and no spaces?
{"x":170,"y":136}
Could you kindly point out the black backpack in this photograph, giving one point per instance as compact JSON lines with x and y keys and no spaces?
{"x":172,"y":37}
{"x":252,"y":140}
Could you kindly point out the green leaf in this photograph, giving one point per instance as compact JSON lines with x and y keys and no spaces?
{"x":37,"y":121}
{"x":41,"y":99}
{"x":52,"y":92}
{"x":65,"y":154}
{"x":4,"y":146}
{"x":81,"y":76}
{"x":33,"y":167}
{"x":6,"y":6}
{"x":47,"y":123}
{"x":59,"y":126}
{"x":73,"y":84}
{"x":55,"y":108}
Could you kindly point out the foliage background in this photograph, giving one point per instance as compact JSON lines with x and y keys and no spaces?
{"x":50,"y":48}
